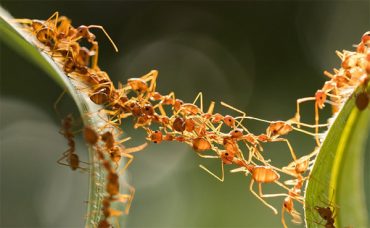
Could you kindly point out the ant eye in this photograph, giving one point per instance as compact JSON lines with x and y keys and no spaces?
{"x":227,"y":154}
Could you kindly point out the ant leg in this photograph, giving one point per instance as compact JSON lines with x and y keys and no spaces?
{"x":200,"y":98}
{"x":123,"y":140}
{"x":130,"y":159}
{"x":56,"y":15}
{"x":57,"y":102}
{"x":207,"y":156}
{"x":262,"y":200}
{"x":64,"y":155}
{"x":130,"y":199}
{"x":268,"y":195}
{"x":251,"y":154}
{"x":254,"y":152}
{"x":106,"y":34}
{"x":95,"y":48}
{"x":127,"y":153}
{"x":135,"y":149}
{"x":161,"y":109}
{"x":282,"y":217}
{"x":290,"y":122}
{"x":214,"y":175}
{"x":289,"y":146}
{"x":317,"y":122}
{"x":297,"y":116}
{"x":116,"y":221}
{"x":153,"y":82}
{"x":22,"y":20}
{"x":240,"y":169}
{"x":272,"y":195}
{"x":211,"y":107}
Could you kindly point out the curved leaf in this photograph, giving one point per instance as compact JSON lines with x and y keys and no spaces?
{"x":337,"y":178}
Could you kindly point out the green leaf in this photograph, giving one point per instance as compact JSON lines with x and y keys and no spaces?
{"x":23,"y":43}
{"x":337,"y":177}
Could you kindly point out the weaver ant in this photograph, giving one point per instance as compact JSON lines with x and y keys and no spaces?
{"x":262,"y":174}
{"x":69,"y":155}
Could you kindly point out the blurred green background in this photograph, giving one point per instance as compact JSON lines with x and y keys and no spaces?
{"x":257,"y":56}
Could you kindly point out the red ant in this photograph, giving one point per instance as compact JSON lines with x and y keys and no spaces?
{"x":70,"y":155}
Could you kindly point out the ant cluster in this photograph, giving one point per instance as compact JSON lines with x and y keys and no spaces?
{"x":167,"y":118}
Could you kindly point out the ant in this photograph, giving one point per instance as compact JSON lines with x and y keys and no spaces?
{"x":261,"y":174}
{"x":328,"y":214}
{"x":70,"y":155}
{"x":362,"y":98}
{"x":58,"y":34}
{"x":296,"y":168}
{"x":288,"y":204}
{"x":320,"y":99}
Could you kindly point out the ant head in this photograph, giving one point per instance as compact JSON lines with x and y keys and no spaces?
{"x":37,"y":25}
{"x":178,"y":104}
{"x":227,"y":157}
{"x":137,"y":84}
{"x":156,"y":136}
{"x":100,"y":97}
{"x":82,"y":31}
{"x":45,"y":36}
{"x":236,"y":133}
{"x":320,"y":98}
{"x":135,"y":109}
{"x":365,"y":38}
{"x":288,"y":204}
{"x":229,"y":121}
{"x":148,"y":110}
